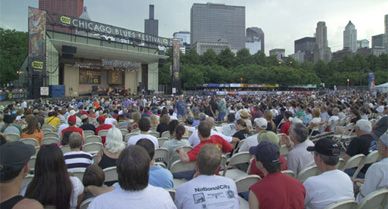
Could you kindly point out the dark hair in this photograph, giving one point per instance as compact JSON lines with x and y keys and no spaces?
{"x":94,"y":175}
{"x":328,"y":160}
{"x":204,"y":129}
{"x":32,"y":124}
{"x":51,"y":184}
{"x":148,"y":145}
{"x":172,"y":126}
{"x":3,"y":140}
{"x":300,"y":131}
{"x":179,"y":132}
{"x":75,"y":140}
{"x":231,"y":118}
{"x":287,"y":114}
{"x":242,"y":123}
{"x":133,"y":168}
{"x":209,"y":159}
{"x":144,"y":124}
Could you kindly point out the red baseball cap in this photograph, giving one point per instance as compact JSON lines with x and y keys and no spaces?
{"x":72,"y":119}
{"x":101,"y":119}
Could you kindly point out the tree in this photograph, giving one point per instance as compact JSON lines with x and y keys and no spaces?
{"x":243,"y":57}
{"x":192,"y":76}
{"x":13,"y":51}
{"x":226,"y":58}
{"x":209,"y":58}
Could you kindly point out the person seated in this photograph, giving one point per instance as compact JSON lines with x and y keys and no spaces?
{"x":196,"y":193}
{"x":14,"y":157}
{"x":133,"y":189}
{"x":32,"y":130}
{"x":261,"y":125}
{"x":93,"y":181}
{"x":229,"y":129}
{"x":158,"y":176}
{"x":102,"y":126}
{"x":332,"y":185}
{"x":144,"y":126}
{"x":85,"y":123}
{"x":174,"y":143}
{"x":76,"y":159}
{"x":10,"y":127}
{"x":242,"y":130}
{"x":71,"y":120}
{"x":290,"y":193}
{"x":376,"y":176}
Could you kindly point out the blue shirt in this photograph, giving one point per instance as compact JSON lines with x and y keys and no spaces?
{"x":160,"y":177}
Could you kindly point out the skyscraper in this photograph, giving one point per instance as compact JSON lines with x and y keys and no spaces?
{"x":386,"y":33}
{"x":151,"y":24}
{"x":378,"y":44}
{"x":73,"y":8}
{"x":305,"y":47}
{"x":321,"y":50}
{"x":364,"y":43}
{"x":254,"y":40}
{"x":184,"y":40}
{"x":213,"y":23}
{"x":350,"y":37}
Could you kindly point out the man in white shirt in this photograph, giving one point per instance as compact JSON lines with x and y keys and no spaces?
{"x":133,"y":190}
{"x":298,"y":157}
{"x":377,"y":175}
{"x":251,"y":141}
{"x":207,"y":190}
{"x":332,"y":185}
{"x":144,"y":126}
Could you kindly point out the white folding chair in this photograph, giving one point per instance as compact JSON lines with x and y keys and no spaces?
{"x":154,"y":133}
{"x":111,"y":174}
{"x":283,"y":150}
{"x":355,"y":162}
{"x":65,"y":149}
{"x":123,"y":131}
{"x":238,"y":159}
{"x":346,"y":204}
{"x":93,"y":138}
{"x":103,"y":133}
{"x":372,"y":157}
{"x":79,"y":173}
{"x":50,"y":140}
{"x":161,"y":141}
{"x":31,"y":163}
{"x":30,"y":141}
{"x":340,"y":164}
{"x":187,"y":148}
{"x":161,"y":155}
{"x":244,"y":183}
{"x":85,"y":203}
{"x":88,"y":133}
{"x":308,"y":172}
{"x":50,"y":134}
{"x":12,"y":137}
{"x":375,"y":200}
{"x":179,"y":166}
{"x":166,"y":134}
{"x":127,"y":136}
{"x":92,"y":147}
{"x":289,"y":173}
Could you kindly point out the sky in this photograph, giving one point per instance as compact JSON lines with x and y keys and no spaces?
{"x":283,"y":21}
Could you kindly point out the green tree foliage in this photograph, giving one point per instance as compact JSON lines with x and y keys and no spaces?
{"x":13,"y":51}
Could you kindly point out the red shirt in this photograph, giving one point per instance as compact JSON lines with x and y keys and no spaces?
{"x":72,"y":129}
{"x":103,"y":127}
{"x":215,"y":139}
{"x":285,"y":127}
{"x":256,"y":171}
{"x":279,"y":191}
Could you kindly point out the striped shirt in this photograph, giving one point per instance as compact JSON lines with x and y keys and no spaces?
{"x":77,"y":159}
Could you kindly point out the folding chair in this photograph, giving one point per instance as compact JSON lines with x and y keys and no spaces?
{"x":12,"y":137}
{"x":85,"y":203}
{"x":346,"y":204}
{"x":372,"y":157}
{"x":51,"y":134}
{"x":111,"y":174}
{"x":50,"y":140}
{"x":179,"y":166}
{"x":172,"y":193}
{"x":244,"y":183}
{"x":187,"y":148}
{"x":161,"y":155}
{"x":27,"y":180}
{"x":79,"y":173}
{"x":340,"y":164}
{"x":92,"y":147}
{"x":127,"y":136}
{"x":103,"y":133}
{"x":65,"y":149}
{"x":238,"y":159}
{"x":283,"y":150}
{"x":93,"y":138}
{"x":88,"y":133}
{"x":31,"y":163}
{"x":289,"y":173}
{"x":162,"y":140}
{"x":376,"y":200}
{"x":30,"y":141}
{"x":308,"y":172}
{"x":166,"y":134}
{"x":123,"y":131}
{"x":154,"y":133}
{"x":357,"y":161}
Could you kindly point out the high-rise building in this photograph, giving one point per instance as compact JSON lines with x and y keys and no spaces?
{"x":73,"y":8}
{"x":350,"y":37}
{"x":254,"y":40}
{"x":212,"y":23}
{"x":278,"y":53}
{"x":217,"y":47}
{"x":184,"y":40}
{"x":364,"y":43}
{"x":378,"y":44}
{"x":386,"y":33}
{"x":321,"y":49}
{"x":304,"y":49}
{"x":151,"y":24}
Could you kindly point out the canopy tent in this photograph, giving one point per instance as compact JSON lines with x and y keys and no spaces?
{"x":382,"y":88}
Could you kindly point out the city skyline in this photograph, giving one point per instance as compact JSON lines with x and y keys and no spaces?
{"x":283,"y":22}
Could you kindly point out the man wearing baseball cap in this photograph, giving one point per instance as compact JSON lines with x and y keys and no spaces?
{"x":71,"y":120}
{"x":377,"y":175}
{"x":260,"y":127}
{"x":332,"y":185}
{"x":290,"y":193}
{"x":14,"y":157}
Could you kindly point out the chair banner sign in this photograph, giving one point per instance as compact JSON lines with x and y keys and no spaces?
{"x":36,"y":39}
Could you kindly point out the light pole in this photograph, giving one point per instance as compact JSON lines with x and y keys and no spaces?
{"x":348,"y":80}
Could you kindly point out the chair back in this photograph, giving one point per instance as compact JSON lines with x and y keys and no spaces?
{"x":340,"y":164}
{"x":88,"y":133}
{"x":79,"y":173}
{"x":30,"y":141}
{"x":65,"y":149}
{"x":179,"y":166}
{"x":12,"y":137}
{"x":103,"y":133}
{"x":346,"y":204}
{"x":161,"y":155}
{"x":372,"y":157}
{"x":92,"y":147}
{"x":154,"y":133}
{"x":85,"y":203}
{"x":50,"y":134}
{"x":31,"y":163}
{"x":239,"y":158}
{"x":50,"y":140}
{"x":111,"y":174}
{"x":127,"y":136}
{"x":172,"y":193}
{"x":289,"y":173}
{"x":93,"y":138}
{"x":357,"y":161}
{"x":187,"y":148}
{"x":166,"y":134}
{"x":161,"y":141}
{"x":123,"y":131}
{"x":307,"y":172}
{"x":244,"y":183}
{"x":376,"y":200}
{"x":27,"y":180}
{"x":283,"y":150}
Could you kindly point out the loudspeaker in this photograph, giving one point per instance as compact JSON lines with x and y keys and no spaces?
{"x":67,"y":56}
{"x":69,"y":49}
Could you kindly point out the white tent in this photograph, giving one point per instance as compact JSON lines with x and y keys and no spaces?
{"x":382,"y":87}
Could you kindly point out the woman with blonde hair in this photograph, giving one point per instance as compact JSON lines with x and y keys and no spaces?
{"x":315,"y":122}
{"x":271,"y":124}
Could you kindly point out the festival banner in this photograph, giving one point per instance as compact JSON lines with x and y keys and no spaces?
{"x":36,"y":39}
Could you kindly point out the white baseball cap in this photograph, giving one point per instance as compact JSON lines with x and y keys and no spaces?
{"x":261,"y":123}
{"x":364,"y":125}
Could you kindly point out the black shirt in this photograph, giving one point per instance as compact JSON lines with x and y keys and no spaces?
{"x":241,"y":134}
{"x":88,"y":126}
{"x":360,"y":145}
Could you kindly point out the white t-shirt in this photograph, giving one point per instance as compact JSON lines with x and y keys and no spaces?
{"x":149,"y":198}
{"x":133,"y":139}
{"x":194,"y":138}
{"x":215,"y":192}
{"x":299,"y":158}
{"x":249,"y":142}
{"x":328,"y":188}
{"x":78,"y":189}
